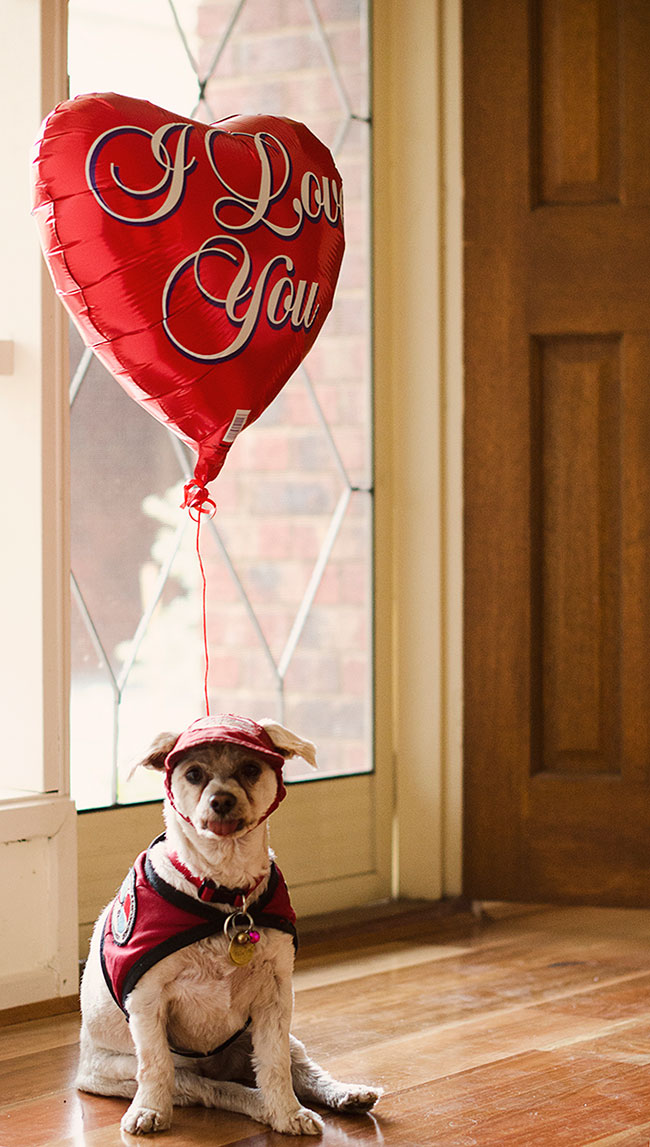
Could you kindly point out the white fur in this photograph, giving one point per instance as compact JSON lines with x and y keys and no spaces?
{"x":196,"y":998}
{"x":288,"y":743}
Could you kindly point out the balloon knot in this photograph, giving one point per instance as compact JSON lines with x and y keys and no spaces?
{"x":197,"y":500}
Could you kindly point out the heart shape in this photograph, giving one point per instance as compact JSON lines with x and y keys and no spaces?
{"x":199,"y":261}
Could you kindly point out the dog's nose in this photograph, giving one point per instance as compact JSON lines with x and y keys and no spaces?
{"x":222,"y":803}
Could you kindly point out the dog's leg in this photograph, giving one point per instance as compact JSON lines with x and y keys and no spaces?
{"x":272,"y":1061}
{"x":313,"y":1084}
{"x":151,"y":1109}
{"x":198,"y":1089}
{"x":103,"y":1072}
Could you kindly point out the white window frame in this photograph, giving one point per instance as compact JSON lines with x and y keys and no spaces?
{"x":418,"y":307}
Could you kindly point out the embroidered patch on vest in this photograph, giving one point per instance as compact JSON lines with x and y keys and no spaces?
{"x":124,"y":910}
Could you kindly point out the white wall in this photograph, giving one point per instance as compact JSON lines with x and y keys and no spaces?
{"x":38,"y":890}
{"x":38,"y":901}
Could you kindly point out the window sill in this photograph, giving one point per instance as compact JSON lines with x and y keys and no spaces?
{"x":9,"y":795}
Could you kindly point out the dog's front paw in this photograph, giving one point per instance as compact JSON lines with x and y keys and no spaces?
{"x":354,"y":1097}
{"x":143,"y":1120}
{"x":299,"y":1122}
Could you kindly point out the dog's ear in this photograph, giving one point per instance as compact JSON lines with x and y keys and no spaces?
{"x":288,"y":743}
{"x":162,"y":745}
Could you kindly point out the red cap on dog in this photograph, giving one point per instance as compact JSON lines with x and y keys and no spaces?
{"x":229,"y":729}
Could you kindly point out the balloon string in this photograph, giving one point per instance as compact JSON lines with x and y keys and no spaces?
{"x":198,"y":502}
{"x":204,"y":611}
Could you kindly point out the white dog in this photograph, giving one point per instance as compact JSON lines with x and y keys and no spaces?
{"x":187,"y":995}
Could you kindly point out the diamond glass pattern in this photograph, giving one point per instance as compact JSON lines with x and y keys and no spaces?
{"x":288,"y":555}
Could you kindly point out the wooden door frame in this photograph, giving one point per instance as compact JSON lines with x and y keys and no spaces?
{"x":418,"y":359}
{"x":418,"y":297}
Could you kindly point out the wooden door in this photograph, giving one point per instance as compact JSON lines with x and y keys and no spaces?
{"x":557,"y":482}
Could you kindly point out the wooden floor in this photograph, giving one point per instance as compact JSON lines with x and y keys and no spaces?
{"x":526,"y":1028}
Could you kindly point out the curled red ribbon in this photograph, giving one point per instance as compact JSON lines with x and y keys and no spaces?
{"x":197,"y":499}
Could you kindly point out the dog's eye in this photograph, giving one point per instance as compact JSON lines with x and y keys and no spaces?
{"x":194,"y":775}
{"x":250,"y":771}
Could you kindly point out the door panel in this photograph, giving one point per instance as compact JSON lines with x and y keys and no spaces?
{"x":557,"y":448}
{"x":575,"y":548}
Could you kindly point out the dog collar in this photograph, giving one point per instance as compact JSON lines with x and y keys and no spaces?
{"x":210,"y":892}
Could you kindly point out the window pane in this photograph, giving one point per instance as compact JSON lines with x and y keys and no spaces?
{"x":288,"y":555}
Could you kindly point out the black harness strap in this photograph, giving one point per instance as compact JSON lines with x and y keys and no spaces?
{"x":216,"y":1050}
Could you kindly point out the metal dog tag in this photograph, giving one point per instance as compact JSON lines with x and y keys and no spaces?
{"x":240,"y":930}
{"x":241,"y":949}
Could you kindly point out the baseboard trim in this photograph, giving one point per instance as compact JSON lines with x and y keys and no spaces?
{"x":42,"y":1009}
{"x":381,"y":920}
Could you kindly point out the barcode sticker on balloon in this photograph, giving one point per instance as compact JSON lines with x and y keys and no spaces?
{"x":238,"y":423}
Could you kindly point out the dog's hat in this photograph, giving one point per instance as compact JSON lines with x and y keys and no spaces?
{"x":229,"y":729}
{"x":272,"y":741}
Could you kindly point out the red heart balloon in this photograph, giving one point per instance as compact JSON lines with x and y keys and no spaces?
{"x":198,"y":261}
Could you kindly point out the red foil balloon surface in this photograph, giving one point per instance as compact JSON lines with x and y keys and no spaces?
{"x":199,"y":262}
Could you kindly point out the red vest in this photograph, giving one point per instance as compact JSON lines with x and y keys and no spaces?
{"x":149,"y":919}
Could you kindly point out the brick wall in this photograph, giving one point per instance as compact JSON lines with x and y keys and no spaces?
{"x":282,"y":481}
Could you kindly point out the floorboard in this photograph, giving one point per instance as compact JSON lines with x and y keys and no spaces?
{"x":527,"y":1027}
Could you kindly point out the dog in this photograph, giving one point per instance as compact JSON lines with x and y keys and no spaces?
{"x":187,"y":994}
